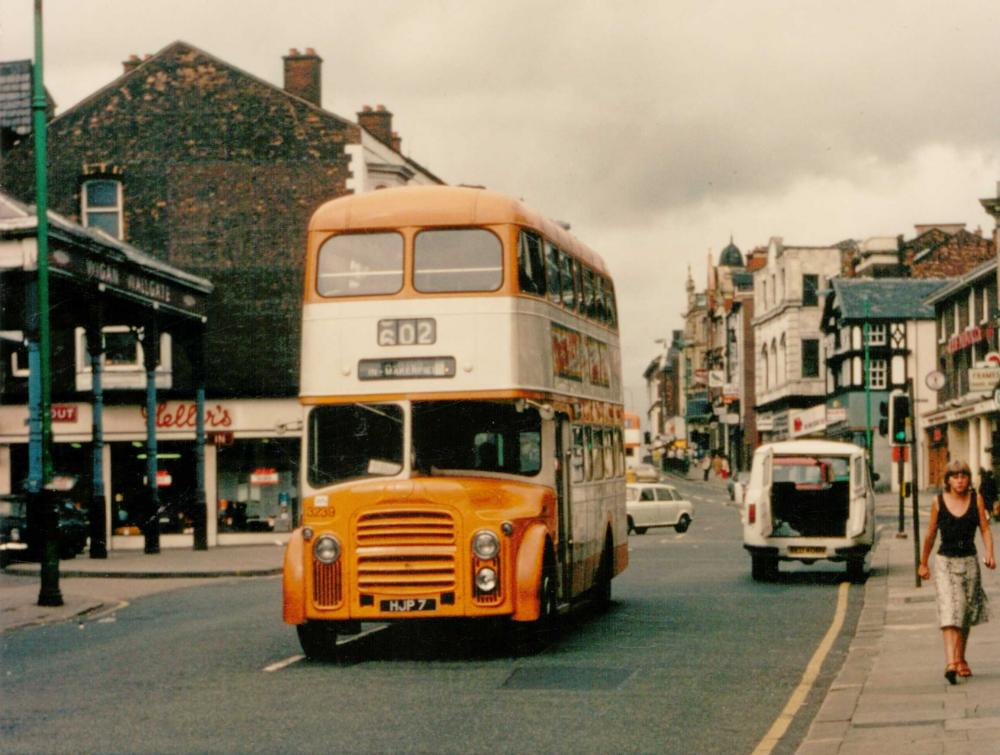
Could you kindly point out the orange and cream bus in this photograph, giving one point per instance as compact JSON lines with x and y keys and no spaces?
{"x":463,"y":451}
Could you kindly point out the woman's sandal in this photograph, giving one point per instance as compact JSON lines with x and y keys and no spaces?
{"x":963,"y":669}
{"x":951,"y":673}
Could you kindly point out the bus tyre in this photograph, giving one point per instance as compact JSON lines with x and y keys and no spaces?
{"x":530,"y":636}
{"x":602,"y":585}
{"x":683,"y":523}
{"x":763,"y":568}
{"x":856,"y":570}
{"x":318,"y":640}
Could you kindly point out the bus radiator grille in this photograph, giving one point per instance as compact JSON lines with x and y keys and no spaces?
{"x":405,"y":550}
{"x":326,"y":584}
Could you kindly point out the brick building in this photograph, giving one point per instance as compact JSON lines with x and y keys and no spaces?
{"x":215,"y":171}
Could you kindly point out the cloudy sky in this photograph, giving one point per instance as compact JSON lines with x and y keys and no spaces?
{"x":657,"y":129}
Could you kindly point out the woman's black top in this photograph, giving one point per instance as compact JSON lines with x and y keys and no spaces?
{"x":958,"y":533}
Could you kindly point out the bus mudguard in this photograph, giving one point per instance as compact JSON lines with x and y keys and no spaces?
{"x":293,"y":581}
{"x":528,"y":573}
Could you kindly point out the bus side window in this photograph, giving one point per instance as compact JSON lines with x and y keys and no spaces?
{"x":568,"y":294}
{"x":576,"y":462}
{"x":552,"y":273}
{"x":619,"y":453}
{"x":588,"y":459}
{"x":609,"y":453}
{"x":588,"y":292}
{"x":598,"y":449}
{"x":612,"y":308}
{"x":578,"y":280}
{"x":530,"y":265}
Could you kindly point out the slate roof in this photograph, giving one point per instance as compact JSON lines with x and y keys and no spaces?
{"x":888,"y":298}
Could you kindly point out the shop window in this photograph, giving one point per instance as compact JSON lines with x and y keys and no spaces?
{"x":258,"y":485}
{"x":124,"y":365}
{"x":102,"y":206}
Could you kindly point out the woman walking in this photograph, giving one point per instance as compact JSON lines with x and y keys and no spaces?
{"x":961,"y":601}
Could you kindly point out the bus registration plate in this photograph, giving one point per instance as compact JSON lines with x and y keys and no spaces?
{"x":407,"y":605}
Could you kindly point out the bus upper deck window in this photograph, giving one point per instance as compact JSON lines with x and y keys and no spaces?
{"x":588,"y":292}
{"x":356,"y":264}
{"x":566,"y":278}
{"x":530,"y":265}
{"x":552,"y":273}
{"x":461,"y":259}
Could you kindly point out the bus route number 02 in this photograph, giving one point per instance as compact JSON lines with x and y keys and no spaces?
{"x":419,"y":331}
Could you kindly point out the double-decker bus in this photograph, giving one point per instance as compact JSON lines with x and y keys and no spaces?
{"x":463,"y":451}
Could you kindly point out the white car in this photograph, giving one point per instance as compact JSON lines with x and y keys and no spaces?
{"x":656,"y":505}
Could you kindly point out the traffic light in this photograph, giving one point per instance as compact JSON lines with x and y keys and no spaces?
{"x":883,"y":418}
{"x":900,"y":432}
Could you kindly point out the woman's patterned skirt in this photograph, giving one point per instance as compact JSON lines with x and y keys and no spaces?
{"x":961,"y":599}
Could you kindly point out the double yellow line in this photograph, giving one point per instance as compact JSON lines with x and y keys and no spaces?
{"x":784,"y":720}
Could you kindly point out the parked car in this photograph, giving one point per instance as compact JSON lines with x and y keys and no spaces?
{"x":808,"y":500}
{"x":12,"y":530}
{"x":656,"y":505}
{"x":646,"y":473}
{"x":73,"y":528}
{"x":737,"y":485}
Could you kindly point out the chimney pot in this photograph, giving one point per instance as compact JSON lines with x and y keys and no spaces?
{"x":130,"y":64}
{"x":378,"y":123}
{"x":303,"y":75}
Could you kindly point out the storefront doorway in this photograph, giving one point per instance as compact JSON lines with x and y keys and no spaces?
{"x":175,"y":486}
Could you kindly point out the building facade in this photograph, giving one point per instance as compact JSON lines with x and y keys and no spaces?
{"x":215,"y":171}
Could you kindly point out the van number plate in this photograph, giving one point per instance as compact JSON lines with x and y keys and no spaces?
{"x":407,"y":605}
{"x":806,"y":550}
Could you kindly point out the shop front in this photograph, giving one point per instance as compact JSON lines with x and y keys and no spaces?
{"x":251,"y":467}
{"x":965,"y":432}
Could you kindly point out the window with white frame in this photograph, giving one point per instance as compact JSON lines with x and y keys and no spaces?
{"x":877,"y":374}
{"x":123,"y":360}
{"x":101,"y":206}
{"x":876,"y":334}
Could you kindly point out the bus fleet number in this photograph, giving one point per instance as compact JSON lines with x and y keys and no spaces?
{"x":419,"y":331}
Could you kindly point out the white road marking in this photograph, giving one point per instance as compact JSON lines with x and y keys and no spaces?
{"x":784,"y":720}
{"x":343,"y":640}
{"x":284,"y":664}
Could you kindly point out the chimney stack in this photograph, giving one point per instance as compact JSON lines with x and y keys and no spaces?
{"x":378,"y":123}
{"x":302,"y":74}
{"x":131,"y":64}
{"x":397,"y":142}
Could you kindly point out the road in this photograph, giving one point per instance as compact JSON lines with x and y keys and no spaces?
{"x":693,"y":657}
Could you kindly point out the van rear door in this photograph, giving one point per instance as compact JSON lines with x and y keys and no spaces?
{"x":763,"y":501}
{"x":858,"y":512}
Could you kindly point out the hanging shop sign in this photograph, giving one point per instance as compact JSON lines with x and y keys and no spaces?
{"x":983,"y":378}
{"x":806,"y":421}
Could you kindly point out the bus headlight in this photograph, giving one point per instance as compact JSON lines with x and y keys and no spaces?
{"x":486,"y":579}
{"x":326,"y":549}
{"x":485,"y":545}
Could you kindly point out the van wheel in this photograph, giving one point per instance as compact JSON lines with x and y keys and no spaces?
{"x":683,"y":523}
{"x":318,"y":640}
{"x":856,"y":570}
{"x":763,"y":568}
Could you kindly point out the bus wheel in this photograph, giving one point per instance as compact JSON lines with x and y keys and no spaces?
{"x":602,"y":585}
{"x":318,"y":640}
{"x":531,"y":636}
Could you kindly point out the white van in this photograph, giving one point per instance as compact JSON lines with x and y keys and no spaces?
{"x":808,"y":500}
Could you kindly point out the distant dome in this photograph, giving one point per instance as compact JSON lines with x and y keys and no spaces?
{"x":731,"y":256}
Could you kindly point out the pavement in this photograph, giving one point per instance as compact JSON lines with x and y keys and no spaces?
{"x":92,"y":587}
{"x":890,"y":696}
